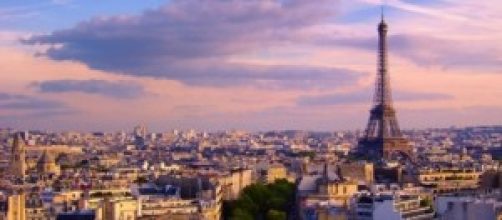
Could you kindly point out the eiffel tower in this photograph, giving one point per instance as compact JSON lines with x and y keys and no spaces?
{"x":382,"y":137}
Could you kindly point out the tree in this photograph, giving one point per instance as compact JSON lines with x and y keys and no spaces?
{"x":260,"y":201}
{"x":141,"y":180}
{"x":426,"y":202}
{"x":241,"y":214}
{"x":276,"y":215}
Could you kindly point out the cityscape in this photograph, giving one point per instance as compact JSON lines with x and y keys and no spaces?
{"x":250,"y":109}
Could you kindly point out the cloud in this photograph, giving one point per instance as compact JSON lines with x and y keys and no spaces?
{"x":364,"y":96}
{"x":448,"y":53}
{"x":417,"y":7}
{"x":117,"y":89}
{"x":12,"y":12}
{"x":431,"y":51}
{"x":198,"y":47}
{"x":29,"y":103}
{"x":191,"y":41}
{"x":9,"y":97}
{"x":273,"y":76}
{"x":32,"y":104}
{"x":446,"y":117}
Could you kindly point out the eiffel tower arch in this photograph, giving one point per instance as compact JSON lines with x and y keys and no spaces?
{"x":382,"y":137}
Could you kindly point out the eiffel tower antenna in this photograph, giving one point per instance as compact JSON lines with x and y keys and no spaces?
{"x":382,"y":12}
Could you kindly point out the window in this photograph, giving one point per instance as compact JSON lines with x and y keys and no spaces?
{"x":364,"y":213}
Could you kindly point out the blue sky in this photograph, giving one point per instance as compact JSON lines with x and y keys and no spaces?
{"x":49,"y":15}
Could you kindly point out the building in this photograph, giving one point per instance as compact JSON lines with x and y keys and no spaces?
{"x":469,"y":207}
{"x":273,"y":172}
{"x":175,"y":197}
{"x":170,"y":205}
{"x":46,"y":165}
{"x":362,"y":172}
{"x":382,"y":137}
{"x":16,"y":207}
{"x":234,"y":182}
{"x":448,"y":180}
{"x":34,"y":208}
{"x":55,"y":149}
{"x":168,"y":208}
{"x":392,"y":207}
{"x":120,"y":209}
{"x":324,"y":196}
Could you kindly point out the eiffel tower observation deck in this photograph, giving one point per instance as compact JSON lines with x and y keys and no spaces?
{"x":382,"y":137}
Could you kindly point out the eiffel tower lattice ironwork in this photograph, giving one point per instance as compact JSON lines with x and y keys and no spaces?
{"x":382,"y":136}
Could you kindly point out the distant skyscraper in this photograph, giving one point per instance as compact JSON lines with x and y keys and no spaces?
{"x":18,"y":157}
{"x":382,"y":136}
{"x":140,"y":133}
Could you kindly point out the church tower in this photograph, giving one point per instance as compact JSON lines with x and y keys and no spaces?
{"x":18,"y":157}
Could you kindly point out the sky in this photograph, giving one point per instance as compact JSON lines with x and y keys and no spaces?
{"x":245,"y":64}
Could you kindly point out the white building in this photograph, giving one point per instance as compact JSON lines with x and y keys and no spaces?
{"x":392,"y":207}
{"x":466,"y":207}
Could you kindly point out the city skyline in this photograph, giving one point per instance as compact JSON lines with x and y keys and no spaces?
{"x":254,"y":65}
